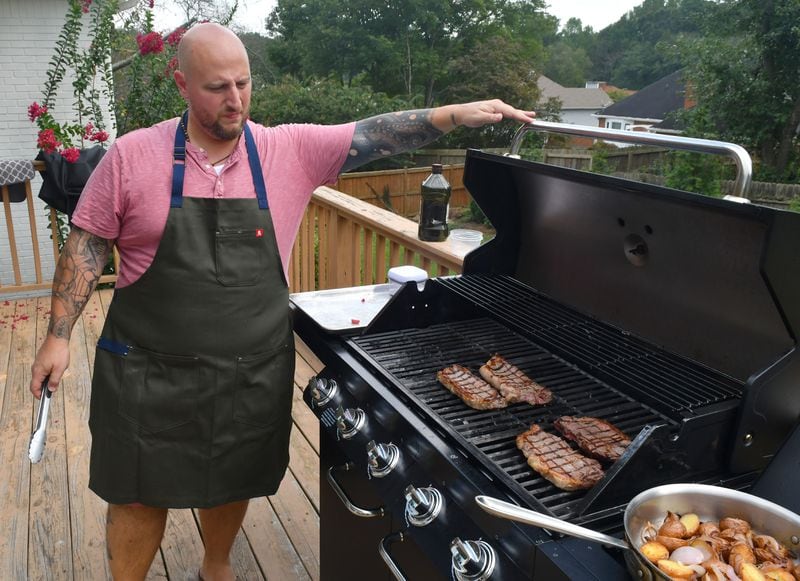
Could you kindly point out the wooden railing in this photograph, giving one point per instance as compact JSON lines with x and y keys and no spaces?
{"x":21,"y":284}
{"x":398,"y":190}
{"x":346,"y":242}
{"x":342,"y":242}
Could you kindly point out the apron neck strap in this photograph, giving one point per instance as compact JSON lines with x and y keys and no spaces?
{"x":179,"y":165}
{"x":179,"y":162}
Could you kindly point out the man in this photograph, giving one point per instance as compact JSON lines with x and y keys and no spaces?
{"x":191,"y":394}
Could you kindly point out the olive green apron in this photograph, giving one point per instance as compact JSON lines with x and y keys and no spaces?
{"x":192,"y":389}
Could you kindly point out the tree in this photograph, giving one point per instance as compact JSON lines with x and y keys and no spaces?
{"x":639,"y":48}
{"x":567,"y":65}
{"x":493,"y":68}
{"x":744,"y":75}
{"x":400,"y":48}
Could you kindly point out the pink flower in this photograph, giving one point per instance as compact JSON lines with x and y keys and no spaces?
{"x":71,"y":154}
{"x":47,"y":141}
{"x":171,"y":67}
{"x":152,"y":3}
{"x":85,"y":6}
{"x":88,"y":131}
{"x":175,"y":36}
{"x":35,"y":111}
{"x":99,"y":136}
{"x":150,"y":43}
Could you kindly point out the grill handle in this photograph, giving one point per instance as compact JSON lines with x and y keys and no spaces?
{"x":356,"y":510}
{"x":738,"y":153}
{"x":383,"y":551}
{"x":517,"y":513}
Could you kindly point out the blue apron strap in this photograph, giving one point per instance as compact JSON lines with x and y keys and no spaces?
{"x":113,"y":346}
{"x":255,"y":168}
{"x":179,"y":163}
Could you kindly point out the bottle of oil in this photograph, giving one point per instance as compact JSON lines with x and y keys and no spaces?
{"x":434,"y":206}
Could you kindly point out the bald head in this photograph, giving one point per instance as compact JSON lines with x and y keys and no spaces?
{"x":204,"y":40}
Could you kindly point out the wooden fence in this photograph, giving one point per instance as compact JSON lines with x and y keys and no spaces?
{"x":342,"y":242}
{"x":399,"y":190}
{"x":347,"y":237}
{"x":347,"y":242}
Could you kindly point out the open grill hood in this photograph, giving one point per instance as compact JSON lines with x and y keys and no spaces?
{"x":709,"y":280}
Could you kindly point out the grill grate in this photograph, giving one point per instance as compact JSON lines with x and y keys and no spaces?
{"x":410,"y":358}
{"x":667,"y":382}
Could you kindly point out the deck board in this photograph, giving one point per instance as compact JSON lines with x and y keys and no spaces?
{"x":53,"y":527}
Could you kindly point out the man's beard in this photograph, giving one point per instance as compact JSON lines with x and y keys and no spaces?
{"x":227,"y":134}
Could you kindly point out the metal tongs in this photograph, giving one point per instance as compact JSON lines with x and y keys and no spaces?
{"x":39,"y":436}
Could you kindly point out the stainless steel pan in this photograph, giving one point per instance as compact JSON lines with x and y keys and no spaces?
{"x":650,"y":506}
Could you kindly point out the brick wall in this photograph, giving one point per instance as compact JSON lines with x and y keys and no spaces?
{"x":28,"y":31}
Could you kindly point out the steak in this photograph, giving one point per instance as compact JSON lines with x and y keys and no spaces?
{"x":513,"y":383}
{"x":557,"y":461}
{"x":470,"y":388}
{"x":597,"y":438}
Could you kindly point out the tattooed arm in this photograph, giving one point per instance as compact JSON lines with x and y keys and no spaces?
{"x":79,"y":268}
{"x":393,"y":133}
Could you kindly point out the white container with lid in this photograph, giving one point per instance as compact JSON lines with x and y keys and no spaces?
{"x":407,"y":273}
{"x":463,"y":240}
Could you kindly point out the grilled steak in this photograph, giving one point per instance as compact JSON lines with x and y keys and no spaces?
{"x":555,"y":460}
{"x":513,"y":383}
{"x":472,"y":390}
{"x":597,"y":438}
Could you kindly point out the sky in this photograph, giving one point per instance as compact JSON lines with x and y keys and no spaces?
{"x":595,"y":13}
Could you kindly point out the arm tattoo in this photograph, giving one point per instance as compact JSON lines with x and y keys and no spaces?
{"x":79,"y":268}
{"x":390,"y":134}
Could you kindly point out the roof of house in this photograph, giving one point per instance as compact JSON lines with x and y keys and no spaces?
{"x":655,"y":102}
{"x":573,"y":97}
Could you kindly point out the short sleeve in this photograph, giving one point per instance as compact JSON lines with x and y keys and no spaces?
{"x":322,"y":149}
{"x":98,"y":211}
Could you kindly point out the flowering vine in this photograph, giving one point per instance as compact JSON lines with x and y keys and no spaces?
{"x":91,"y":81}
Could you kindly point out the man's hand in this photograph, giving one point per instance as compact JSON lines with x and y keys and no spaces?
{"x":53,"y":360}
{"x":478,"y":114}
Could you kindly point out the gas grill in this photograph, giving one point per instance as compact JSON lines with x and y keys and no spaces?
{"x":669,"y":314}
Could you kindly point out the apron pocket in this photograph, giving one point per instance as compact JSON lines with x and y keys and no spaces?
{"x":159,"y":391}
{"x":240,"y":257}
{"x":264,"y":383}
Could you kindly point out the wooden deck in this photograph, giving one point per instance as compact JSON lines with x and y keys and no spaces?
{"x":53,"y":527}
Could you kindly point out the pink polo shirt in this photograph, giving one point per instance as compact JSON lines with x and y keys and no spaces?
{"x":127,"y":197}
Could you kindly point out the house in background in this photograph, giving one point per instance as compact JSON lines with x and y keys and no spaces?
{"x":29,"y":30}
{"x":579,"y":105}
{"x":651,"y":109}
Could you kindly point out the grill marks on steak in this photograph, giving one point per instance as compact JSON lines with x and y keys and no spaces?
{"x":557,"y":461}
{"x":470,"y":388}
{"x":597,"y":438}
{"x":512,"y":383}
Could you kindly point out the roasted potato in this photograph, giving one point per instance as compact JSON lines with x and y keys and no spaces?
{"x":751,"y":573}
{"x":675,"y":569}
{"x":691,"y":522}
{"x":654,"y":552}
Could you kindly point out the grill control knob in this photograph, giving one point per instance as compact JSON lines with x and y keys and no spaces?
{"x":422,"y":505}
{"x":322,"y":390}
{"x":349,"y":421}
{"x":381,"y":458}
{"x":472,"y":560}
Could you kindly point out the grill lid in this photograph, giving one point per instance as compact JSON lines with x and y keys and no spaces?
{"x":714,"y":281}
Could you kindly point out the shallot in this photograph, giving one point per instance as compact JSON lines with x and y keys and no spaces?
{"x":688,"y":555}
